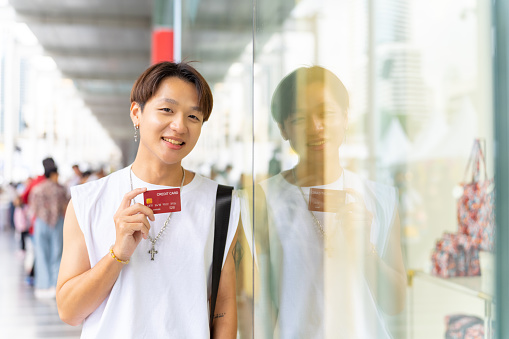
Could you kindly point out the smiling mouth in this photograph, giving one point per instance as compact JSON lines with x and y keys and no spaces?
{"x":174,"y":142}
{"x":316,"y":143}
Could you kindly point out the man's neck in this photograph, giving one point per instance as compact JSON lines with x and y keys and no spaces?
{"x":157,"y":173}
{"x":317,"y":173}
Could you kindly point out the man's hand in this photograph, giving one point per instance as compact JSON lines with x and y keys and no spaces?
{"x":131,"y":224}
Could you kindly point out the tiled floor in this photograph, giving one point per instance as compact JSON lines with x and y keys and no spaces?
{"x":21,"y":315}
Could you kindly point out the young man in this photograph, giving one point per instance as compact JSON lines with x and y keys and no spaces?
{"x":127,"y":272}
{"x":329,"y":256}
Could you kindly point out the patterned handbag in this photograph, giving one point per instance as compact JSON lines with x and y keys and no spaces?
{"x":444,"y":259}
{"x":476,"y":207}
{"x":455,"y":255}
{"x":459,"y":326}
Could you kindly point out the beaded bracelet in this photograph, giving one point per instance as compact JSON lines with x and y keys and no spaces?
{"x":125,"y":262}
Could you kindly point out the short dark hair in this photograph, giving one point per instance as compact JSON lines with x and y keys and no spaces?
{"x":48,"y":163}
{"x":284,"y":99}
{"x":49,"y":166}
{"x":50,"y":171}
{"x":148,"y":84}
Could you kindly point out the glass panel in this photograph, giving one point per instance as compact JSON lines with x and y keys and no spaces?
{"x":365,"y":116}
{"x":218,"y":36}
{"x":348,"y":139}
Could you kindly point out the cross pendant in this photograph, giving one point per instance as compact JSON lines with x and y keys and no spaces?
{"x":152,"y":252}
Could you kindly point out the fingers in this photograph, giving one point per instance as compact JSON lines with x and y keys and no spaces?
{"x":139,"y":208}
{"x":141,"y":227}
{"x":128,"y":225}
{"x":132,"y":219}
{"x":126,"y":200}
{"x":130,"y":230}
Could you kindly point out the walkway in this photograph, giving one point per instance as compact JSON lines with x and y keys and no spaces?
{"x":21,"y":315}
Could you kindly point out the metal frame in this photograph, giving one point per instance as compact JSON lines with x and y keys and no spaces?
{"x":501,"y":121}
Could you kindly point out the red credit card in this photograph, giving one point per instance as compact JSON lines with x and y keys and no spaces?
{"x":163,"y":201}
{"x":324,"y":200}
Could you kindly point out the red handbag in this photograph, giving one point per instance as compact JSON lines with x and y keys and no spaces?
{"x":476,"y":208}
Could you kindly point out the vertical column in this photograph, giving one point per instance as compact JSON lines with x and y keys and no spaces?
{"x":166,"y":30}
{"x":371,"y":122}
{"x":10,"y":95}
{"x":501,"y":105}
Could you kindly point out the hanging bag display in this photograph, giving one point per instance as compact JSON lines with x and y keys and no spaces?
{"x":476,"y":204}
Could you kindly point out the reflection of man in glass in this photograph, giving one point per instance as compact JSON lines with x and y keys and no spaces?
{"x":330,"y":261}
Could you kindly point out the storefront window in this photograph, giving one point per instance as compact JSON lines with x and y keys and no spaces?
{"x":347,"y":127}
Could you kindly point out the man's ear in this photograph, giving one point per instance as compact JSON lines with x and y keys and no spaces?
{"x":135,"y":113}
{"x":283,"y":131}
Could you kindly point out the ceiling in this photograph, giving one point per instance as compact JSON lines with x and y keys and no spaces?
{"x":103,"y":45}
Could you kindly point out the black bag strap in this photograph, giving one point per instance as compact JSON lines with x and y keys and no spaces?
{"x":223,"y":205}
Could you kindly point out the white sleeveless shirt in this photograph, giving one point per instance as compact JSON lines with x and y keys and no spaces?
{"x":167,"y":297}
{"x":304,"y":281}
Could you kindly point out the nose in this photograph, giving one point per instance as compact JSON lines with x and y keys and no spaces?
{"x":178,"y":123}
{"x":315,"y":123}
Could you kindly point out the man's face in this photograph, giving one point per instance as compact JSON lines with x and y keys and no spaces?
{"x":171,"y":121}
{"x":317,"y":128}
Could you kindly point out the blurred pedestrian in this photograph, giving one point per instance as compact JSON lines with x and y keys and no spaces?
{"x":48,"y":202}
{"x":75,"y":179}
{"x":21,"y":221}
{"x":85,"y":176}
{"x":12,"y":195}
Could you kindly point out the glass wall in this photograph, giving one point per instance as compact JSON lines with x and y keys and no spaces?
{"x":348,"y":128}
{"x":358,"y":135}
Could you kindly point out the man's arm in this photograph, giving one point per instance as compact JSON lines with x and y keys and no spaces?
{"x":224,"y":324}
{"x":80,"y":288}
{"x":386,"y":276}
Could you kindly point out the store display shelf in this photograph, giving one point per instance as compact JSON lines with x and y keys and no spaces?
{"x":468,"y":285}
{"x":472,"y":286}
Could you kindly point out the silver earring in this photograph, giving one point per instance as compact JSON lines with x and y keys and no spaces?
{"x":136,"y":127}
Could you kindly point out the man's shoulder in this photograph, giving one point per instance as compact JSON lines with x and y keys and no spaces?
{"x":98,"y":187}
{"x":202,"y":184}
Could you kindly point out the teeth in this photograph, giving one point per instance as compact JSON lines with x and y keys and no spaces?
{"x":175,"y":142}
{"x":316,"y":143}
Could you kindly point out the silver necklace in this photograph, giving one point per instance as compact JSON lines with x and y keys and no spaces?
{"x":316,"y":222}
{"x":153,"y":251}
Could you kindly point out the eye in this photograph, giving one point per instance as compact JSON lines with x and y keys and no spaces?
{"x":297,"y":120}
{"x":194,"y":117}
{"x":166,"y":109}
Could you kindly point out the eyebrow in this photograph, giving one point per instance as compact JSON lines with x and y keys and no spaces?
{"x":175,"y":102}
{"x":324,"y":104}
